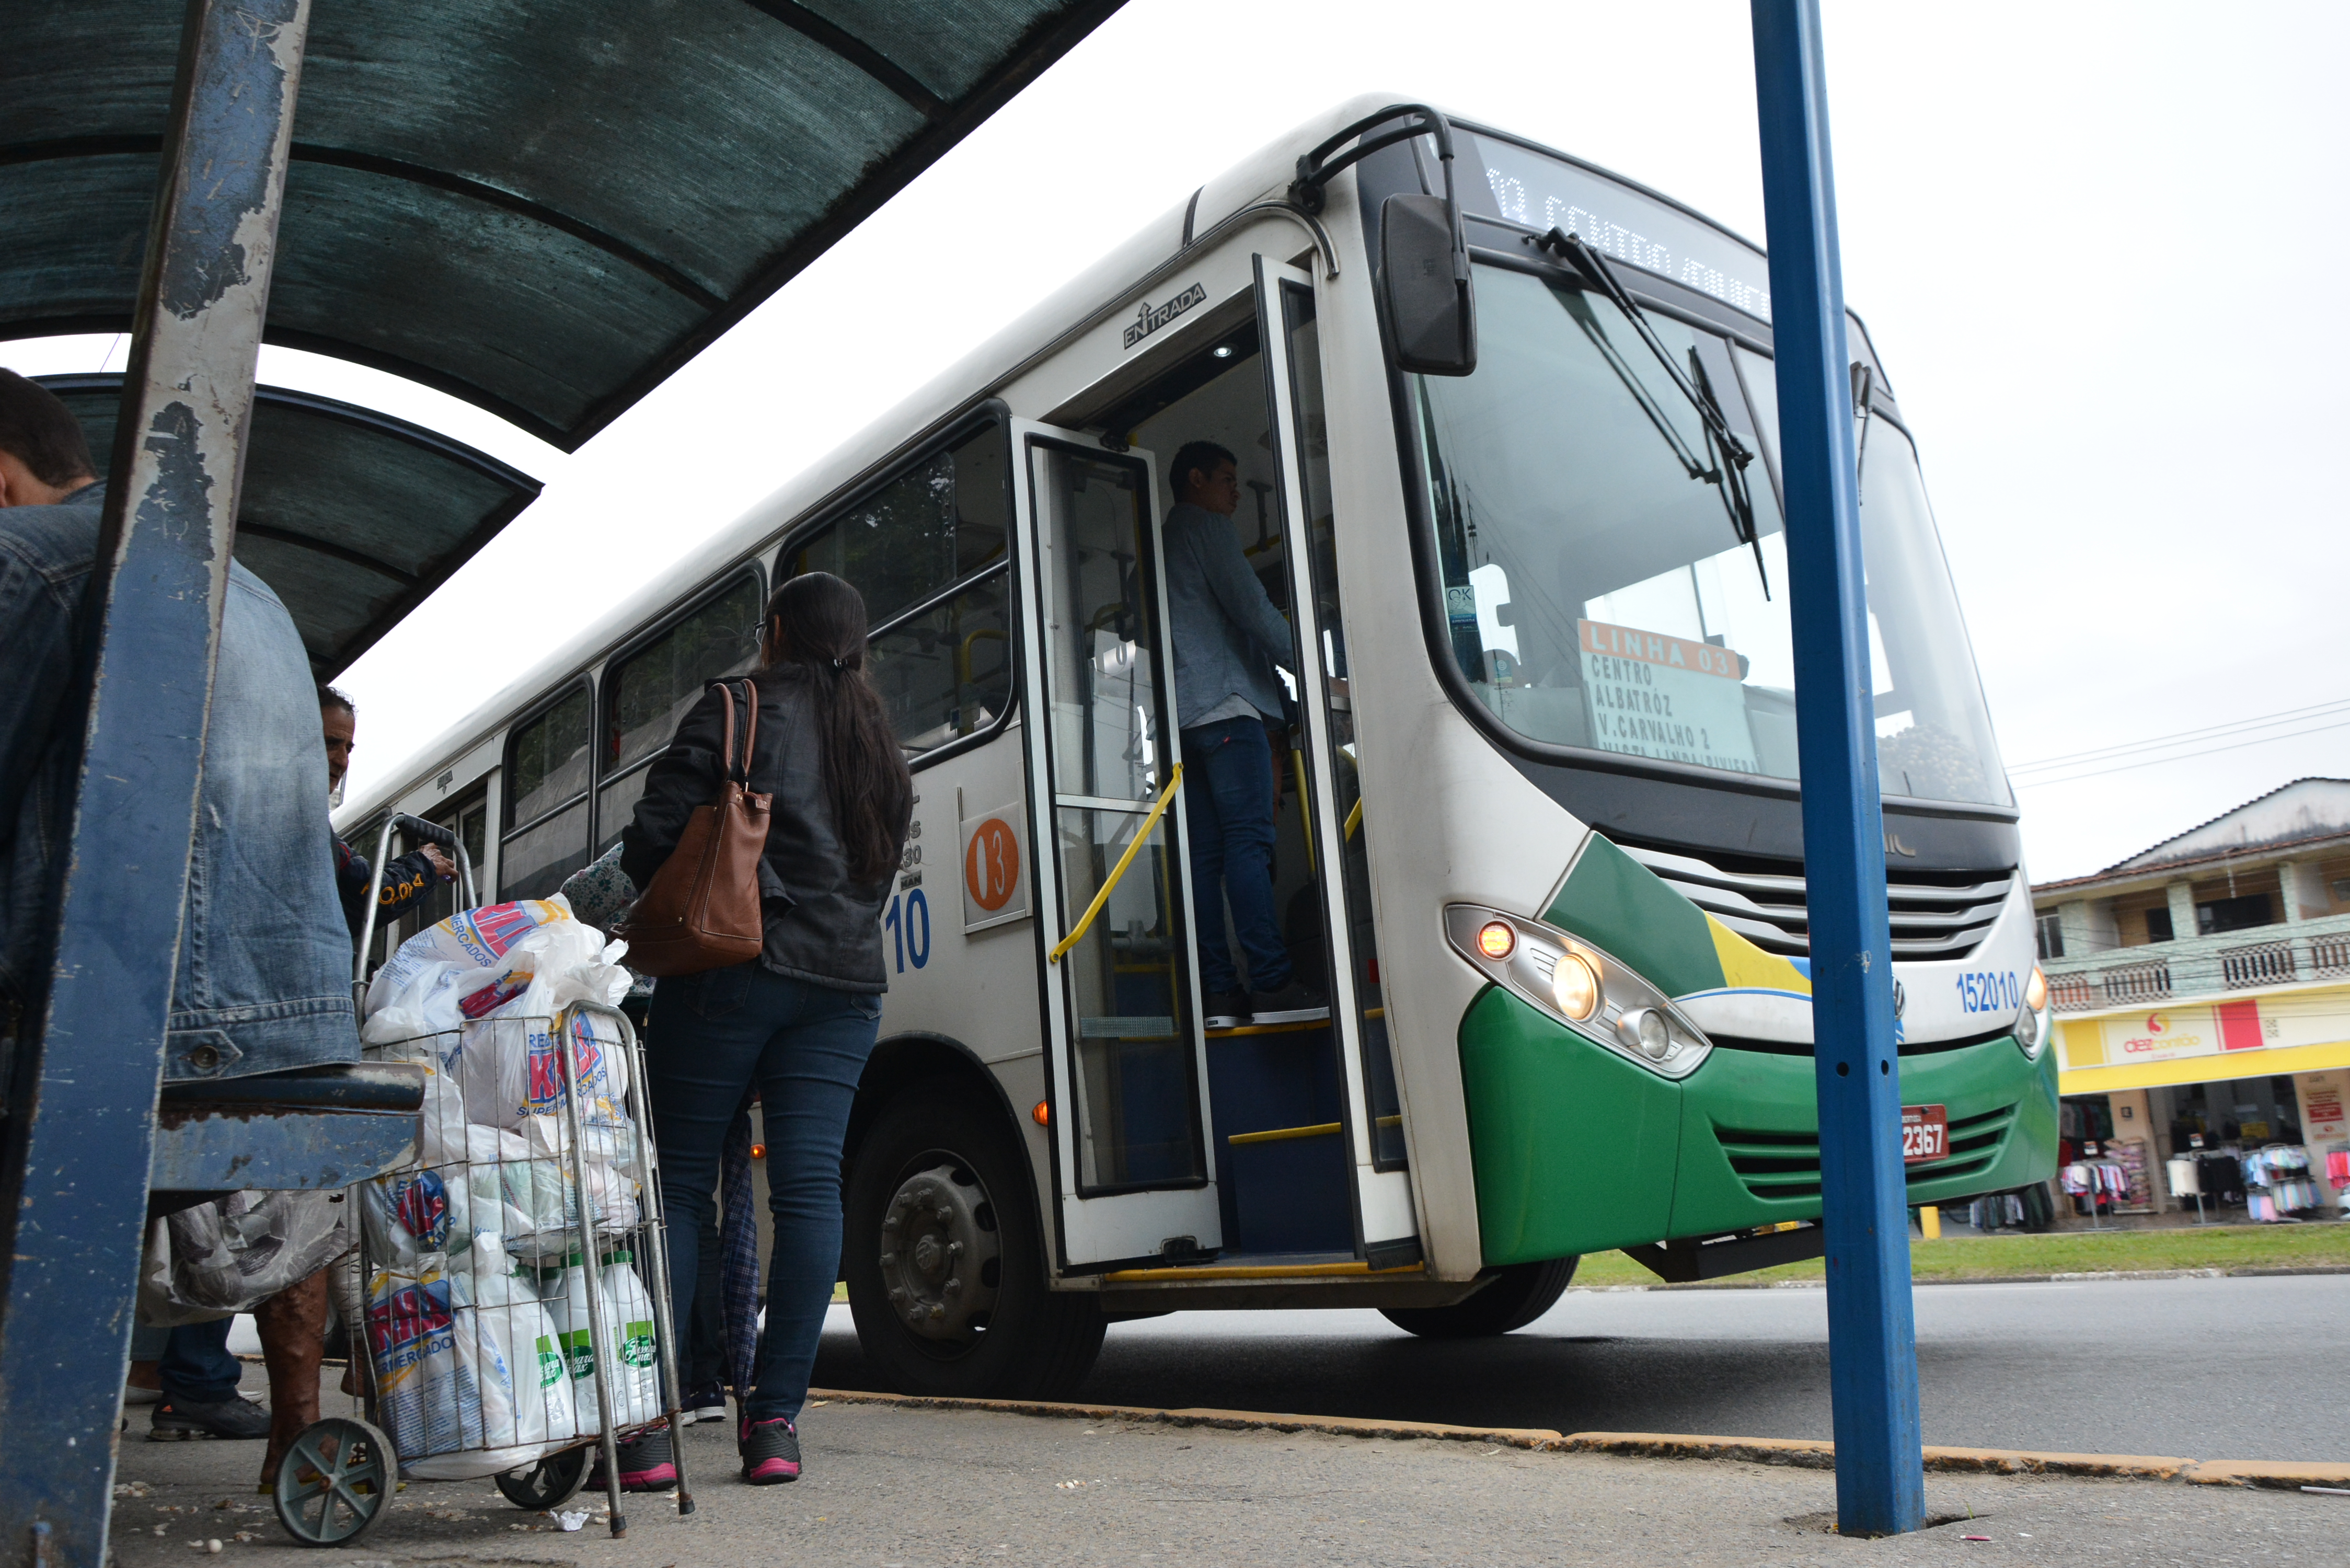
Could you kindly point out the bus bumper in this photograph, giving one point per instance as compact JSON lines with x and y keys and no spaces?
{"x":1578,"y":1150}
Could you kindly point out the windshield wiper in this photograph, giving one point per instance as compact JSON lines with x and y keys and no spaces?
{"x":1726,"y":456}
{"x":1864,"y":382}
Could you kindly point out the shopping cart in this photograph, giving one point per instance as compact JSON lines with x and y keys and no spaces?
{"x":507,"y":1297}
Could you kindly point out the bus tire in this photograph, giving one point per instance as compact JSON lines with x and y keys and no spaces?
{"x":1520,"y":1293}
{"x":944,"y":1258}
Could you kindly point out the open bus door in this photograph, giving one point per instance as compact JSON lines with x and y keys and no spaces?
{"x":1134,"y":1176}
{"x":1386,"y":1228}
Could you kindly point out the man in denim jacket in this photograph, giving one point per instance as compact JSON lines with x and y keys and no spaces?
{"x":263,"y":981}
{"x":263,"y":984}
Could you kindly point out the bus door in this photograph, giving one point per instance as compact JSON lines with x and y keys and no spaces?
{"x":1371,"y":1114}
{"x":1135,"y":1177}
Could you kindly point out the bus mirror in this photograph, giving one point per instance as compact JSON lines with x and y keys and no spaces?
{"x":1424,"y":285}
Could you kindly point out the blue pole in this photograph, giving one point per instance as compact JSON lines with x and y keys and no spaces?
{"x":1872,"y":1337}
{"x":80,"y":1134}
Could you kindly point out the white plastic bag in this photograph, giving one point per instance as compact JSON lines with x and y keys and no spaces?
{"x":428,"y":1396}
{"x":513,"y":1061}
{"x":413,"y":1215}
{"x":476,"y":938}
{"x":228,"y":1255}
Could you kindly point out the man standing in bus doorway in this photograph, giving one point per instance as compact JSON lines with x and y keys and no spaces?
{"x":1228,"y":639}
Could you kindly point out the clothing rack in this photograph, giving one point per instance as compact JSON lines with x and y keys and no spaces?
{"x":2277,"y":1184}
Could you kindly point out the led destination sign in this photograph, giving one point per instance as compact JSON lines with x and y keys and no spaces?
{"x":1544,"y":193}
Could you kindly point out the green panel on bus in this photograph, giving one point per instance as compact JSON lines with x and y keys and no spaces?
{"x":1750,"y":1144}
{"x":1613,"y":900}
{"x":1573,"y":1147}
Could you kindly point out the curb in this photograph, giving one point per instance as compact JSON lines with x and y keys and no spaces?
{"x":2101,"y":1274}
{"x":1537,"y":1439}
{"x":1801,"y":1453}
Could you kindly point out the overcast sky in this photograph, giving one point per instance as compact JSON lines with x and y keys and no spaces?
{"x":2075,"y":231}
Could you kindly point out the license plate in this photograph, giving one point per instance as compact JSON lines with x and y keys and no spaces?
{"x":1924,"y":1134}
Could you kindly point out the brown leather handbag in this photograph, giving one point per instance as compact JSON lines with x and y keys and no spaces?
{"x":701,"y":911}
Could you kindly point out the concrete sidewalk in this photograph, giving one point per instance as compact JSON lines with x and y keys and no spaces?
{"x":890,"y":1484}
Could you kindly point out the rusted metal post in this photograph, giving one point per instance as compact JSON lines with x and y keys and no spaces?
{"x":73,"y":1187}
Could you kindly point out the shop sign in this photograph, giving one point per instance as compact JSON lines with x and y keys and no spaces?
{"x":2162,"y":1036}
{"x":2321,"y":1098}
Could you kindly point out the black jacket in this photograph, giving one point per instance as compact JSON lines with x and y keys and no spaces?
{"x":822,"y":926}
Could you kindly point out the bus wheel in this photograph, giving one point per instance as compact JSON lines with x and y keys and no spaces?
{"x":944,"y":1258}
{"x":1519,"y":1295}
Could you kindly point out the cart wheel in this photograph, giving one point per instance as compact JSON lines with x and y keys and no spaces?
{"x":548,"y":1484}
{"x":335,"y":1481}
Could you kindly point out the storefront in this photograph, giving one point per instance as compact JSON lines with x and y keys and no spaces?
{"x":2202,"y":989}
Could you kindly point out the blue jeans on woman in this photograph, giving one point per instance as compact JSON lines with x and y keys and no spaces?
{"x":1229,"y":814}
{"x":710,"y":1037}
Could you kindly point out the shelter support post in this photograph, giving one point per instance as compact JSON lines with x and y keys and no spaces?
{"x":1872,"y":1334}
{"x":80,"y":1134}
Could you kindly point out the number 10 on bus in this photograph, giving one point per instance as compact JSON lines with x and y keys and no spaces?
{"x":908,"y":920}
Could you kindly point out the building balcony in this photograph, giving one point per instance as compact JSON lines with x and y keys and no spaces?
{"x":2252,"y":959}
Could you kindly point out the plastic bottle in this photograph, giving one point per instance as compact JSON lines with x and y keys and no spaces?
{"x":637,"y":1390}
{"x":567,"y":1298}
{"x":525,"y":1335}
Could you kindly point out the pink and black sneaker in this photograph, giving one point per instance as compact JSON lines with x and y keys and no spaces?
{"x":646,"y":1464}
{"x":771,"y":1452}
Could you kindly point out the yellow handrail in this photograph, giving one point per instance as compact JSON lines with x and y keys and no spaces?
{"x":1174,"y":782}
{"x":1304,"y":811}
{"x":1353,"y":819}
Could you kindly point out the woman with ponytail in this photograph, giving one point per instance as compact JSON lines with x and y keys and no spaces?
{"x":797,"y":1021}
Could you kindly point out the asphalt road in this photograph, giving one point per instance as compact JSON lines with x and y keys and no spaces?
{"x":2227,"y":1368}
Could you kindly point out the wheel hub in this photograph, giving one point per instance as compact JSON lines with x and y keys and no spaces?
{"x":941,"y":1255}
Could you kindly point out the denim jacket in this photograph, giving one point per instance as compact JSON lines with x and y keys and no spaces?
{"x":262,"y":983}
{"x":1227,"y":634}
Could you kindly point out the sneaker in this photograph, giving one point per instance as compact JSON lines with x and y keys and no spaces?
{"x":177,"y":1421}
{"x":646,"y":1464}
{"x":771,"y":1452}
{"x":1296,"y":1003}
{"x":1226,"y":1009}
{"x":707,"y":1403}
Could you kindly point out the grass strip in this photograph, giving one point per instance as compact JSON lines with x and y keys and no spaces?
{"x":2063,"y":1252}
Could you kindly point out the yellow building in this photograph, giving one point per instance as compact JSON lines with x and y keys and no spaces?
{"x":2202,"y":989}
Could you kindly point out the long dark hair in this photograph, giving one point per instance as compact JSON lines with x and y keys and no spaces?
{"x":816,"y":623}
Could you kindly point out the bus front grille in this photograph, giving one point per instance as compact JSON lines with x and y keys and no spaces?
{"x":1787,"y":1165}
{"x":1936,"y":915}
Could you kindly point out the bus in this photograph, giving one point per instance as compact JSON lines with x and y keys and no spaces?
{"x":1505,"y":428}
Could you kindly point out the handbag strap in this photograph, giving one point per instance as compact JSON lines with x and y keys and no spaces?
{"x":738,"y":767}
{"x":750,"y":730}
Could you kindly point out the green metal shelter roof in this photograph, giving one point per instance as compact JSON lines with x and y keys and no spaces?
{"x":541,"y":206}
{"x":353,"y":516}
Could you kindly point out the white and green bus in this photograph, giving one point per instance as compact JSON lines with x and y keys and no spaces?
{"x":1506,"y":428}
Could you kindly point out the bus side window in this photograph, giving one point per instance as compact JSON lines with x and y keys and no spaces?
{"x":546,"y":798}
{"x":649,"y":691}
{"x":930,"y":550}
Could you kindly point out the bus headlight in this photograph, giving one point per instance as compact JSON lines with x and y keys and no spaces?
{"x":2032,"y":1024}
{"x":2031,"y":1029}
{"x":1581,"y":986}
{"x":1575,"y":986}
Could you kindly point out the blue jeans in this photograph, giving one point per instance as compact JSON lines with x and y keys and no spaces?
{"x":196,"y":1367}
{"x":710,"y":1037}
{"x":1230,"y":817}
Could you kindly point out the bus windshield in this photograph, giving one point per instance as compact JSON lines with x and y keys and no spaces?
{"x":1599,"y":594}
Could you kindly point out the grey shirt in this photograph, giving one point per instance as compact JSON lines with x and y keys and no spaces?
{"x":1227,"y":634}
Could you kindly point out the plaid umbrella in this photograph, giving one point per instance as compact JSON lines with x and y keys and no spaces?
{"x":738,"y":1250}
